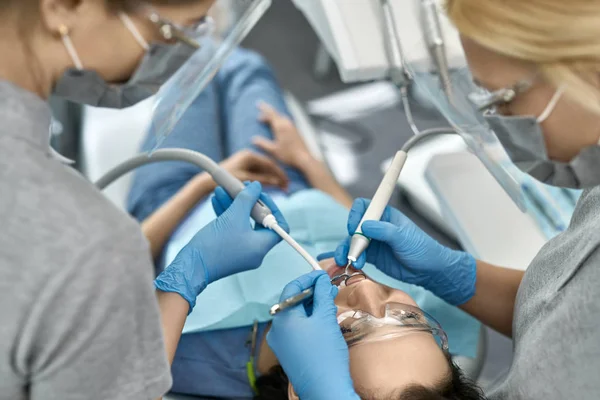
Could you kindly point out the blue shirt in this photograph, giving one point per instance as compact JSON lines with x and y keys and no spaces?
{"x":213,"y":363}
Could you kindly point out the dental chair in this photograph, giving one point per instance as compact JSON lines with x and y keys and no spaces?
{"x":109,"y":137}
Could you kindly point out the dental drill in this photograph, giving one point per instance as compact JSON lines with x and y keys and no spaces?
{"x":432,"y":29}
{"x":261,"y":214}
{"x":400,"y":76}
{"x":359,"y":242}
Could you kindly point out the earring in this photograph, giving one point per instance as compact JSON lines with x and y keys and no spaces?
{"x":63,"y":30}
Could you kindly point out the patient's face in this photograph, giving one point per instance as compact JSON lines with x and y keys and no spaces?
{"x":394,"y":364}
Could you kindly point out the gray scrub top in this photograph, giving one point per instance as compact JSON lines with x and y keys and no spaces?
{"x":556,"y":327}
{"x":78,"y":314}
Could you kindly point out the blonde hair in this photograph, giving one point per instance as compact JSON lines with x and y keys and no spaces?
{"x":560,"y":37}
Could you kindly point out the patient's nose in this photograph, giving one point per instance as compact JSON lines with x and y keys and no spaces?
{"x":370,"y":297}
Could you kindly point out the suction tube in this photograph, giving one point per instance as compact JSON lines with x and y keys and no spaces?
{"x":233,"y":186}
{"x":230,"y":183}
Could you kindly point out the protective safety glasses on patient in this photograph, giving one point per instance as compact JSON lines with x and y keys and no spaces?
{"x":397,"y":320}
{"x":234,"y":20}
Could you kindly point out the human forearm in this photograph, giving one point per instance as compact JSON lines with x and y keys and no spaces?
{"x":289,"y":148}
{"x":495,"y":293}
{"x":318,"y":176}
{"x":173,"y":311}
{"x":160,"y":225}
{"x":202,"y":260}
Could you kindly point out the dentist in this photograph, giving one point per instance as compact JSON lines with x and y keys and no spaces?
{"x":540,"y":62}
{"x":78,"y":312}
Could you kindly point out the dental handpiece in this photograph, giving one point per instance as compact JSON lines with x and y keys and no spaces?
{"x":292,"y":301}
{"x":261,"y":214}
{"x":359,"y":241}
{"x":434,"y":37}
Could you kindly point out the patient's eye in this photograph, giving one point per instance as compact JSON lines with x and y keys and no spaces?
{"x":345,"y":330}
{"x":411,"y":315}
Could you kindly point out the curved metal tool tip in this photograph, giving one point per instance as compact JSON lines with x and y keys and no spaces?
{"x":275,"y":309}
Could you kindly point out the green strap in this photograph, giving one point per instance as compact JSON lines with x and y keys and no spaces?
{"x":251,"y":374}
{"x":250,"y":364}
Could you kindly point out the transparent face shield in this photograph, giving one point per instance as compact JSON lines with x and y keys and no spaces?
{"x":229,"y":22}
{"x":398,"y":320}
{"x":463,"y":105}
{"x":191,"y":36}
{"x":445,"y":84}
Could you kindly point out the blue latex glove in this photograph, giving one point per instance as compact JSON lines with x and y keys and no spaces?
{"x":226,"y":246}
{"x":309,"y":344}
{"x":403,"y":251}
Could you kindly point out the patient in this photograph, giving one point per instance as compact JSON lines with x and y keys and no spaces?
{"x":385,"y":362}
{"x":241,"y":120}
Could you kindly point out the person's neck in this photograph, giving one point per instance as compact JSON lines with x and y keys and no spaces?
{"x":266,"y":359}
{"x":20,"y":66}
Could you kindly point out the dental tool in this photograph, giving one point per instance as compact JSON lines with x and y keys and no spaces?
{"x":292,"y":301}
{"x":261,"y":214}
{"x":401,"y":77}
{"x":285,"y":236}
{"x":338,"y":280}
{"x":398,"y":70}
{"x":432,"y":28}
{"x":359,"y":241}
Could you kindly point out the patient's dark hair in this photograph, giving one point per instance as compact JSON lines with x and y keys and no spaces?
{"x":456,"y":386}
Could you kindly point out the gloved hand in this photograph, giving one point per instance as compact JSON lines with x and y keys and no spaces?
{"x":309,"y":344}
{"x":403,"y":251}
{"x":226,"y":246}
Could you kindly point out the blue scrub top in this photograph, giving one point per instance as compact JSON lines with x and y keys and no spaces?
{"x":213,"y":364}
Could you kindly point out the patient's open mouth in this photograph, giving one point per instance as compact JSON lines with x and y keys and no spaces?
{"x":340,"y":276}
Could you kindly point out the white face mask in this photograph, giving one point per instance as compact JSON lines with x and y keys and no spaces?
{"x":523,"y":139}
{"x":158,"y":65}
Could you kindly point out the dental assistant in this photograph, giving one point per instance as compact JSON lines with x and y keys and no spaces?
{"x":540,"y":59}
{"x":78,"y":312}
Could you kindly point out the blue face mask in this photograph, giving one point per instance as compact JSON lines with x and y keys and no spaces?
{"x":523,"y":139}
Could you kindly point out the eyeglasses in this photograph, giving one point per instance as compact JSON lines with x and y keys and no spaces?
{"x":189,"y":35}
{"x":490,"y":102}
